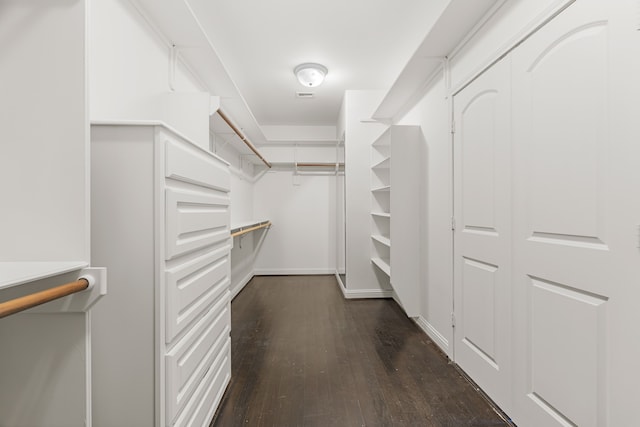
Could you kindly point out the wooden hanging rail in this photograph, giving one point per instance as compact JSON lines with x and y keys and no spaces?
{"x":249,"y":228}
{"x":243,"y":137}
{"x":19,"y":304}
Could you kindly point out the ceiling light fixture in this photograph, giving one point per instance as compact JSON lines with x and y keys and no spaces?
{"x":310,"y":74}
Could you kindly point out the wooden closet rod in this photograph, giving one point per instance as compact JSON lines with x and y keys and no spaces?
{"x":242,"y":137}
{"x":247,"y":230}
{"x":22,"y":303}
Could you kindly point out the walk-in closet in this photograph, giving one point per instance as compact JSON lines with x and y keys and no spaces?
{"x":347,"y":213}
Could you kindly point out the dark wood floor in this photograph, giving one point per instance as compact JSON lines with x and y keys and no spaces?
{"x":302,"y":355}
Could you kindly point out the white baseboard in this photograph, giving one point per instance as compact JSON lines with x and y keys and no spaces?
{"x":291,"y":271}
{"x":235,"y":290}
{"x":366,"y":293}
{"x":339,"y":279}
{"x":433,"y":333}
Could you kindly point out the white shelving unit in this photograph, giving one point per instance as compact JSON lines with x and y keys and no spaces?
{"x":395,"y":216}
{"x":381,"y":205}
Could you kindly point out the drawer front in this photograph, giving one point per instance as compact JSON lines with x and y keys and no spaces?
{"x":192,"y":286}
{"x":194,"y":220}
{"x":198,"y":412}
{"x":187,"y":163}
{"x":188,"y":362}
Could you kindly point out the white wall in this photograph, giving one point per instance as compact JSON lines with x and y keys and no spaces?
{"x":244,"y":250}
{"x":299,"y":133}
{"x":300,"y":153}
{"x":302,"y":238}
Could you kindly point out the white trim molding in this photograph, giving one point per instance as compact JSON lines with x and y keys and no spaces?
{"x":292,"y":271}
{"x":235,"y":289}
{"x":435,"y":336}
{"x":365,"y":293}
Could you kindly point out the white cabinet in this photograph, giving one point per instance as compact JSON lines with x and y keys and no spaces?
{"x":381,"y":203}
{"x":160,"y":216}
{"x":395,"y":212}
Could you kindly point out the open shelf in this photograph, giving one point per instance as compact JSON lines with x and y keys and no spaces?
{"x":382,"y":189}
{"x":382,"y":239}
{"x":383,"y":164}
{"x":382,"y":264}
{"x":21,"y":272}
{"x":381,"y":214}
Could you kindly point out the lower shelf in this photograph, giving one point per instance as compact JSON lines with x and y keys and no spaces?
{"x":382,"y":264}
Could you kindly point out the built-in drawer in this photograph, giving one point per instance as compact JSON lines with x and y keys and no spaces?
{"x":188,"y":362}
{"x":187,"y":163}
{"x":192,"y":286}
{"x":199,"y":410}
{"x":194,"y":220}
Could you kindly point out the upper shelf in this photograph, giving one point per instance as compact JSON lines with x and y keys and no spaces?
{"x":176,"y":20}
{"x":381,"y":189}
{"x":240,"y":229}
{"x":458,"y":18}
{"x":21,"y":272}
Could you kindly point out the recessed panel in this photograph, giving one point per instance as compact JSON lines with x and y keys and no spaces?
{"x":478,"y":294}
{"x":567,"y":351}
{"x":568,"y":129}
{"x":479,"y":123}
{"x":194,"y":221}
{"x":193,"y":285}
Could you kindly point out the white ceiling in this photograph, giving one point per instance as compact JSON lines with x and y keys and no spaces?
{"x":365,"y":44}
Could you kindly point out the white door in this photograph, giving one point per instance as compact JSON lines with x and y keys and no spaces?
{"x":482,"y":237}
{"x":576,"y":151}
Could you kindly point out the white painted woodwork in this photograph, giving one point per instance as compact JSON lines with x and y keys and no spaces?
{"x":482,"y":237}
{"x":184,"y":163}
{"x":45,"y":369}
{"x":21,"y":272}
{"x":395,"y":212}
{"x":241,"y":209}
{"x":433,"y":115}
{"x":405,"y":216}
{"x":381,"y":206}
{"x":189,"y":360}
{"x":575,"y":98}
{"x":194,"y":221}
{"x":451,"y":24}
{"x":126,"y":83}
{"x":194,"y":285}
{"x":364,"y":280}
{"x":161,"y":222}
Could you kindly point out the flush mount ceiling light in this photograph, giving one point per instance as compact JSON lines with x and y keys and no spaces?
{"x":310,"y":74}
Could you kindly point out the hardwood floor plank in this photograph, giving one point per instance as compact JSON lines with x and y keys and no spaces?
{"x":302,"y":355}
